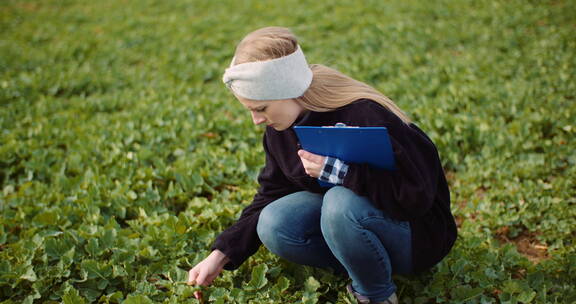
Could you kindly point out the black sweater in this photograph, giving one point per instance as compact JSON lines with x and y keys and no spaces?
{"x":416,"y":191}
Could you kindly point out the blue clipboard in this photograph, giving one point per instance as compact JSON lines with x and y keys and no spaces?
{"x":350,"y":144}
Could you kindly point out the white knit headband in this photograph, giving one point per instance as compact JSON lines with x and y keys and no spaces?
{"x":280,"y":78}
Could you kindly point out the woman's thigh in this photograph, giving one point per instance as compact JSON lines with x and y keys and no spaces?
{"x":290,"y":227}
{"x":346,"y":217}
{"x":297,"y":213}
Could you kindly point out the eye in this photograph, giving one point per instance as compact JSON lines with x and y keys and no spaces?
{"x":261,"y":109}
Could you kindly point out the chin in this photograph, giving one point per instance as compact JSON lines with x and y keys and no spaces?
{"x":279,"y":128}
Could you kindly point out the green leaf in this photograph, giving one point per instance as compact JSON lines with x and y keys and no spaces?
{"x":218,"y":294}
{"x":310,"y":296}
{"x":238,"y":295}
{"x":311,"y":284}
{"x":526,"y":296}
{"x":96,"y":270}
{"x":56,"y":247}
{"x":93,"y":247}
{"x":3,"y":235}
{"x":115,"y":297}
{"x":282,"y":284}
{"x":137,"y":299}
{"x":109,"y":238}
{"x":29,"y":275}
{"x":47,"y":218}
{"x":73,"y":297}
{"x":465,"y":293}
{"x":132,"y":195}
{"x":68,"y":257}
{"x":258,"y":277}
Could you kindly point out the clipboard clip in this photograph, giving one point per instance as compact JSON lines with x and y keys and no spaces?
{"x":340,"y":125}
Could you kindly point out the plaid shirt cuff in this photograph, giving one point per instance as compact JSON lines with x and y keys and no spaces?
{"x":334,"y":171}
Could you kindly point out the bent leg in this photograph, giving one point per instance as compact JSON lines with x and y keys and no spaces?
{"x":290,"y":228}
{"x":368,"y":243}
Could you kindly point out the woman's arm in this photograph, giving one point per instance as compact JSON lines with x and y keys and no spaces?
{"x":407,"y":192}
{"x":206,"y":271}
{"x":240,"y":240}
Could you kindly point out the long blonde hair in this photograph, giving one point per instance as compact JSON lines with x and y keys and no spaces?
{"x":329,"y":90}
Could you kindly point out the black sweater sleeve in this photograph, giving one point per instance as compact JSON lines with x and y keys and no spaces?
{"x":240,"y":240}
{"x":409,"y":191}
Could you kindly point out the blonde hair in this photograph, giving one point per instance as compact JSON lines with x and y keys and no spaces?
{"x":329,"y":90}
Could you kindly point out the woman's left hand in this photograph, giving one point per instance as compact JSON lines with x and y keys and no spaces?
{"x":312,"y":163}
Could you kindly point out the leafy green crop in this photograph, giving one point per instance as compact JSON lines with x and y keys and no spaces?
{"x":122,"y":155}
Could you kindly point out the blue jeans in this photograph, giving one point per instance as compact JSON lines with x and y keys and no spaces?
{"x":342,"y":231}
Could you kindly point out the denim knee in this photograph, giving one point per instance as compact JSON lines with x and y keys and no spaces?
{"x":268,"y":223}
{"x":338,"y":204}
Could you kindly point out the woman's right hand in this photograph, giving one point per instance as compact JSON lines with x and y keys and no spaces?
{"x":206,"y":271}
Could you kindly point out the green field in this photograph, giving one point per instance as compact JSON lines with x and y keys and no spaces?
{"x":122,"y":154}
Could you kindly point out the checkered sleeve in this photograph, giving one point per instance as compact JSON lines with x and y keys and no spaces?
{"x":334,"y":171}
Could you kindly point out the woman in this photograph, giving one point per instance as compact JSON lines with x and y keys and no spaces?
{"x":373,"y":222}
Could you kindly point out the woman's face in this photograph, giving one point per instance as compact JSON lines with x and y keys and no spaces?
{"x":278,"y":114}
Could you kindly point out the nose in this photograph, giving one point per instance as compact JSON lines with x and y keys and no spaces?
{"x":258,"y":118}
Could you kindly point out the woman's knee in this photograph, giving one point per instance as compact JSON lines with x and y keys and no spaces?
{"x":268,"y":223}
{"x":335,"y":208}
{"x":286,"y":217}
{"x":338,"y":201}
{"x":342,"y":206}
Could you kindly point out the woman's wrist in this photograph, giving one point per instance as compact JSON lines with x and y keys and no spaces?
{"x":333,"y":171}
{"x":219,"y":257}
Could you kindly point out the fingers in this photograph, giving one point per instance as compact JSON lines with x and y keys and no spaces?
{"x":308,"y":166}
{"x":202,"y":275}
{"x":192,"y":275}
{"x":199,"y":276}
{"x":311,"y":162}
{"x":310,"y":156}
{"x":202,"y":279}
